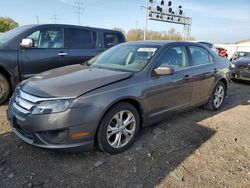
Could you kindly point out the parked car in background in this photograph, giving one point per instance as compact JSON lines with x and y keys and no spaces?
{"x":240,"y":68}
{"x":239,"y":54}
{"x":129,"y":86}
{"x":28,"y":50}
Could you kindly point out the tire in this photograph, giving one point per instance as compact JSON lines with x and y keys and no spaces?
{"x":4,"y":89}
{"x":218,"y":95}
{"x":112,"y":128}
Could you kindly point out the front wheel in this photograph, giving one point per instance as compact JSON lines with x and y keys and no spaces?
{"x":119,"y":128}
{"x":217,"y":97}
{"x":4,"y":89}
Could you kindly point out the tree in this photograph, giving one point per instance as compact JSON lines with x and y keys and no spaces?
{"x":7,"y":24}
{"x":134,"y":35}
{"x":137,"y":34}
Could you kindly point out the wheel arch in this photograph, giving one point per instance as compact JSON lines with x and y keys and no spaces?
{"x":6,"y":74}
{"x":224,"y":81}
{"x":131,"y":100}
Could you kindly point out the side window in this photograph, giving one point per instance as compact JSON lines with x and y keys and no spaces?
{"x":200,"y":56}
{"x":175,"y":57}
{"x":112,"y":39}
{"x":82,"y":39}
{"x":35,"y":37}
{"x":48,"y":38}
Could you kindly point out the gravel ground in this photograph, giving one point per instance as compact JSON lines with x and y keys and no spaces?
{"x":197,"y":148}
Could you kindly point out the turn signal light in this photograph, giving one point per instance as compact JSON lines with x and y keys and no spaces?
{"x":79,"y":135}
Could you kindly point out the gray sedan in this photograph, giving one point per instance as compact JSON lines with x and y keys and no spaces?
{"x":128,"y":87}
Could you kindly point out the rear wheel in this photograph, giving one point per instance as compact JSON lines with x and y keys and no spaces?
{"x":118,"y":128}
{"x":4,"y":89}
{"x":217,"y":97}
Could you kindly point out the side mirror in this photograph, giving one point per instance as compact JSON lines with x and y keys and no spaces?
{"x":27,"y":43}
{"x":164,"y":70}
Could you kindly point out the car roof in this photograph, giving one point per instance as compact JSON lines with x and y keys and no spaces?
{"x":163,"y":42}
{"x":68,"y":25}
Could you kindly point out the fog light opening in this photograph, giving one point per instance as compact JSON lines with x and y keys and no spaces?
{"x":56,"y":136}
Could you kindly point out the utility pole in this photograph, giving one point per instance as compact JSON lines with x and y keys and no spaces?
{"x":37,"y":19}
{"x":54,"y":18}
{"x":78,"y":10}
{"x":146,"y":22}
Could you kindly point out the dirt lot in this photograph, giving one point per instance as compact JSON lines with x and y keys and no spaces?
{"x":197,"y":148}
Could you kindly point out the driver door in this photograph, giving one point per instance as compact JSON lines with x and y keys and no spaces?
{"x":48,"y":52}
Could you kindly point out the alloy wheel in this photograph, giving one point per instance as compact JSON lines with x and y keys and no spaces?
{"x":121,"y":129}
{"x":219,"y":96}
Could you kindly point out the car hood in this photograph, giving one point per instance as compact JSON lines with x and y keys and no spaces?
{"x":242,"y":61}
{"x":71,"y":81}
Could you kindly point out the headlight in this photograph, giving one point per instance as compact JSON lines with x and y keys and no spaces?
{"x":50,"y":107}
{"x":232,"y":65}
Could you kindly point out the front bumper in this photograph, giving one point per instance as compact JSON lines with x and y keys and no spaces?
{"x":240,"y":74}
{"x":31,"y":128}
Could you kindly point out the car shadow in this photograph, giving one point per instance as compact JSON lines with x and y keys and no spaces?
{"x":157,"y":152}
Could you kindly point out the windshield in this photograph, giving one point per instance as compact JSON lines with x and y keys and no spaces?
{"x":6,"y":37}
{"x":126,"y":57}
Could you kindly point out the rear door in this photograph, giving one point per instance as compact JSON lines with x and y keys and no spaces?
{"x":204,"y":70}
{"x":49,"y":51}
{"x":170,"y":93}
{"x":83,"y":44}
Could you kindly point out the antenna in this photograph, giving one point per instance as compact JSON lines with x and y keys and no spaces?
{"x":78,"y":10}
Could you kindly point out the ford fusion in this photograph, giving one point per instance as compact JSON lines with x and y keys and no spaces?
{"x":127,"y":87}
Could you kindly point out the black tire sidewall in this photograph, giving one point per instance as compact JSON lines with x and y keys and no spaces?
{"x":102,"y":132}
{"x":6,"y":86}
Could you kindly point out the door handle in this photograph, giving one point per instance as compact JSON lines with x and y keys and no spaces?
{"x":186,"y":77}
{"x":62,"y":54}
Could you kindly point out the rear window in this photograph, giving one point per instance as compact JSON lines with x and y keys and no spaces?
{"x":200,"y":56}
{"x":82,"y":39}
{"x":112,"y":39}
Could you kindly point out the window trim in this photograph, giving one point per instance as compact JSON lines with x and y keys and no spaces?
{"x":151,"y":70}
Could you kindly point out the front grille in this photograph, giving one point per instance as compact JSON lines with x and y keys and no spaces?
{"x":23,"y":102}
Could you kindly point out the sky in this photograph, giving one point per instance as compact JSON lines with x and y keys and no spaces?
{"x":217,"y":21}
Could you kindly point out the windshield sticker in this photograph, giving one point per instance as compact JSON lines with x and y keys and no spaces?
{"x":147,"y":50}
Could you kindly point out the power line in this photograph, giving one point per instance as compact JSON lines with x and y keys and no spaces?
{"x":78,"y":10}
